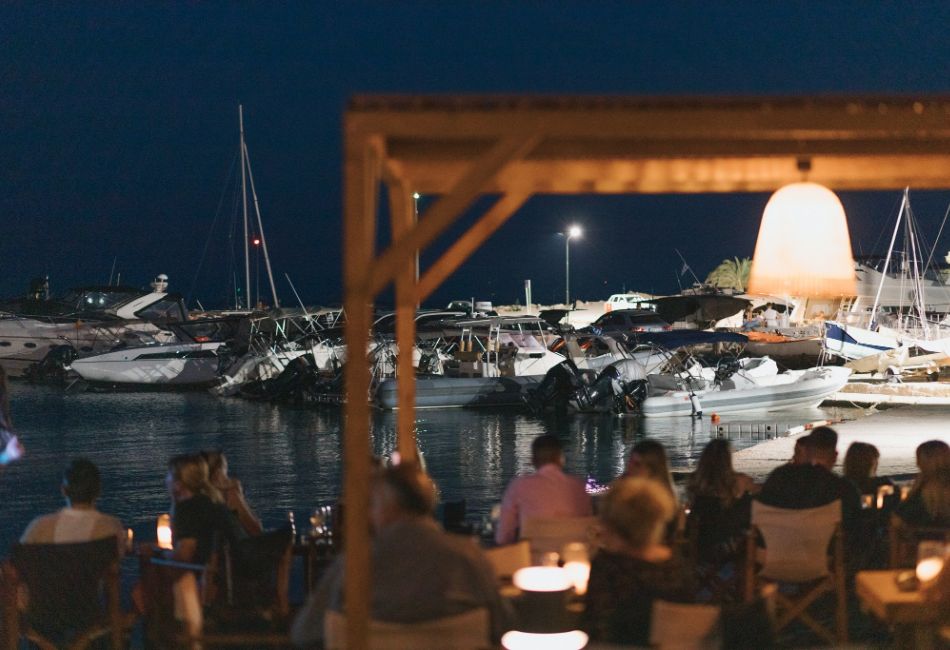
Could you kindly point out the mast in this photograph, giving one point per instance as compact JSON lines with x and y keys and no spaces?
{"x":260,"y":226}
{"x":247,"y":252}
{"x":887,"y":260}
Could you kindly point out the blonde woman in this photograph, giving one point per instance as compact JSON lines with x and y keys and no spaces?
{"x":199,"y":516}
{"x":929,"y":501}
{"x":232,"y":491}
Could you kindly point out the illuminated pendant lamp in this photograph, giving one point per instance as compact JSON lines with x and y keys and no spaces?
{"x":803,"y":248}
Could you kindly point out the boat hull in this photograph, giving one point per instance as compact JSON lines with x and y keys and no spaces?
{"x":180,"y":365}
{"x":808,"y":390}
{"x":455,"y":392}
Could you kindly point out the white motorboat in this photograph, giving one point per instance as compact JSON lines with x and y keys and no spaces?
{"x":754,"y":385}
{"x":193,"y":362}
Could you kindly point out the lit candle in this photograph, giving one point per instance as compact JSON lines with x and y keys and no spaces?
{"x":542,"y":578}
{"x":928,"y":569}
{"x":579,"y":573}
{"x":163,"y":531}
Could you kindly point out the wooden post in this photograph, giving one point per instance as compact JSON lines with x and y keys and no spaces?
{"x":403,"y":219}
{"x":362,"y":163}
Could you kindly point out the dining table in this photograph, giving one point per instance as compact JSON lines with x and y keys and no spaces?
{"x":914,"y":618}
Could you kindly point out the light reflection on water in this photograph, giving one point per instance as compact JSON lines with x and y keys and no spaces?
{"x":290,"y":458}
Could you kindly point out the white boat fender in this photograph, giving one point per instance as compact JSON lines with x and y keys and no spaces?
{"x":697,"y":407}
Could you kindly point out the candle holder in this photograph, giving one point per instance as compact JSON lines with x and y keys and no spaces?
{"x":163,"y":531}
{"x":931,"y":557}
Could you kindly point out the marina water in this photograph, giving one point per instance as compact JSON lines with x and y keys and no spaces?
{"x":290,"y":459}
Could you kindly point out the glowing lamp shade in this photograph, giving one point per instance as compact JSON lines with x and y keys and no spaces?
{"x":573,"y":640}
{"x":542,"y":578}
{"x":163,"y":531}
{"x":803,"y":248}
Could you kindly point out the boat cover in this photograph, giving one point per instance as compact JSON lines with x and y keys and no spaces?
{"x":682,"y":338}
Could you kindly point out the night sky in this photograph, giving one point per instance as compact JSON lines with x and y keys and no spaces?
{"x":118,"y":128}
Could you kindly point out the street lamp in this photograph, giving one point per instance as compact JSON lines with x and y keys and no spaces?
{"x":572,"y":233}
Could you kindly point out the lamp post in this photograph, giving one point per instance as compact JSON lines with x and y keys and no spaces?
{"x":572,"y":233}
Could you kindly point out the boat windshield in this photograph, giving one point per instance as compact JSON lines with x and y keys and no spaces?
{"x":98,"y":299}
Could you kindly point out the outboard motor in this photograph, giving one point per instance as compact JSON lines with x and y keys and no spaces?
{"x":618,"y":380}
{"x":558,"y":386}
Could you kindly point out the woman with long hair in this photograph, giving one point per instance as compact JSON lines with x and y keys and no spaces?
{"x":720,"y":502}
{"x":928,"y":503}
{"x":232,"y":491}
{"x":199,"y":516}
{"x":860,"y":467}
{"x":648,"y":460}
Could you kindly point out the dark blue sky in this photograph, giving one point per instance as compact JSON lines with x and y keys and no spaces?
{"x":118,"y":126}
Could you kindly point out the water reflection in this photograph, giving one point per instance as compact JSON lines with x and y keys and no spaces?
{"x":290,"y":458}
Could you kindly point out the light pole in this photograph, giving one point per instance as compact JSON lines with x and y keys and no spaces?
{"x":572,"y":233}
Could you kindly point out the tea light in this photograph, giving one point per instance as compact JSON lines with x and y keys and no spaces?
{"x":163,"y":531}
{"x":928,"y":569}
{"x":542,"y":578}
{"x":867,"y":501}
{"x":577,"y":565}
{"x":882,"y":492}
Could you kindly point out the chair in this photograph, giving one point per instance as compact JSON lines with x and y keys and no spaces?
{"x":684,"y":626}
{"x":797,"y":544}
{"x":239,"y":598}
{"x":62,"y":584}
{"x":550,"y":534}
{"x":903,"y":540}
{"x":505,"y":560}
{"x":467,"y":631}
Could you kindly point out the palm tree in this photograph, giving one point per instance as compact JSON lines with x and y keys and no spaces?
{"x":731,"y":274}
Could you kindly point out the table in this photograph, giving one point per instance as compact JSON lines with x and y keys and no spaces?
{"x":915,"y":620}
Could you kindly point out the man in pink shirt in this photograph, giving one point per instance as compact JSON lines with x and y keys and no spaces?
{"x":548,"y":492}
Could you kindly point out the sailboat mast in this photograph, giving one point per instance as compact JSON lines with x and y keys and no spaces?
{"x":887,"y":260}
{"x":247,"y":252}
{"x":260,"y":227}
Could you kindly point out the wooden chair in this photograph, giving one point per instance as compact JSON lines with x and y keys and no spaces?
{"x":684,"y":626}
{"x":61,"y":585}
{"x":505,"y":560}
{"x":467,"y":631}
{"x":550,"y":534}
{"x":903,"y":539}
{"x":796,"y":550}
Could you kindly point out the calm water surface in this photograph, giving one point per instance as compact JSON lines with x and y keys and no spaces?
{"x":290,"y":458}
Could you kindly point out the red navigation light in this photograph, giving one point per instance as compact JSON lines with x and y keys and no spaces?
{"x":256,"y":241}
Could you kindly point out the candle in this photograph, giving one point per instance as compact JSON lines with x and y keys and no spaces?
{"x":579,"y":573}
{"x":573,"y":640}
{"x":542,"y":578}
{"x":163,"y":531}
{"x":928,"y":569}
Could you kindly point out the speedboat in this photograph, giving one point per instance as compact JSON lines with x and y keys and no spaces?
{"x":752,"y":384}
{"x":192,"y":362}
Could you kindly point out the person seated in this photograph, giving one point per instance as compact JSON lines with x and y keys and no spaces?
{"x":720,"y":502}
{"x":79,"y":521}
{"x":548,"y":492}
{"x":648,"y":460}
{"x":419,"y":572}
{"x":860,"y":467}
{"x":199,"y":517}
{"x":928,"y":503}
{"x":633,"y":567}
{"x":232,"y":491}
{"x":812,"y":483}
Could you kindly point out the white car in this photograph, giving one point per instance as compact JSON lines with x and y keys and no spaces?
{"x":625,"y":301}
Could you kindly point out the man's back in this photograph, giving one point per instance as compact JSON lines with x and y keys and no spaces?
{"x":71,"y":525}
{"x":548,"y":492}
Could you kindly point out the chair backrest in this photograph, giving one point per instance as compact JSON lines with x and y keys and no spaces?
{"x":64,"y":581}
{"x":683,"y":626}
{"x":467,"y":631}
{"x":505,"y":560}
{"x":796,"y":541}
{"x":259,"y":568}
{"x":550,"y":534}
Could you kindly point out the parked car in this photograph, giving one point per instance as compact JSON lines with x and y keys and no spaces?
{"x":625,"y":301}
{"x":629,"y":321}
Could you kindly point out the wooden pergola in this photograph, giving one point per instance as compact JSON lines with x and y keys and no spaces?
{"x":463,"y":147}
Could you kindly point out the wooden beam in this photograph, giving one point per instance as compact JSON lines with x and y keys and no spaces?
{"x":403,"y":219}
{"x":444,"y":212}
{"x":469,"y":242}
{"x":362,"y":167}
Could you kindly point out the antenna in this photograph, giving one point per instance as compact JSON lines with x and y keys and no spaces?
{"x":686,"y":267}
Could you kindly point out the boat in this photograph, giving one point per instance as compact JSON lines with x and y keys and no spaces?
{"x":752,"y":384}
{"x":907,"y":303}
{"x":37,"y":331}
{"x":193,"y":361}
{"x":494,"y":361}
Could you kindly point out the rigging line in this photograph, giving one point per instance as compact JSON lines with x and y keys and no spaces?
{"x":937,"y":240}
{"x":214,"y":221}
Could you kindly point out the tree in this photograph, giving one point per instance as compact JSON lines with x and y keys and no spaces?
{"x":731,"y":274}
